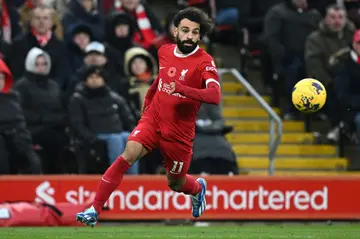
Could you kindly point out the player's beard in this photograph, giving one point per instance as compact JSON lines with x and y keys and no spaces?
{"x":184,"y":48}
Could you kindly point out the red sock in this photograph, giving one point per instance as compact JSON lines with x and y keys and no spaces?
{"x":191,"y":186}
{"x":110,"y":181}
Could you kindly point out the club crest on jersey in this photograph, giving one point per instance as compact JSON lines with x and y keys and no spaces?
{"x":171,"y":71}
{"x":183,"y":73}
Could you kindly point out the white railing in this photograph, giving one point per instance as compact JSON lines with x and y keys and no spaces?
{"x":275,"y":133}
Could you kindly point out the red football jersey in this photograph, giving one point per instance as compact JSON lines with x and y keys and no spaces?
{"x":175,"y":114}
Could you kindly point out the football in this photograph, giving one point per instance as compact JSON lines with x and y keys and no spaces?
{"x":309,"y":95}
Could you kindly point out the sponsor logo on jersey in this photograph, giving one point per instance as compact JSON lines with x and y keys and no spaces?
{"x":211,"y":68}
{"x":164,"y":87}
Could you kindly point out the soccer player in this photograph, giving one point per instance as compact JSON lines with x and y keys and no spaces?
{"x":187,"y":77}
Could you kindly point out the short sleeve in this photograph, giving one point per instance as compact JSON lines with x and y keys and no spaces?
{"x":209,"y":73}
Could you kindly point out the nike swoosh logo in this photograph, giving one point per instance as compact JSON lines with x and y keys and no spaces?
{"x":161,"y":67}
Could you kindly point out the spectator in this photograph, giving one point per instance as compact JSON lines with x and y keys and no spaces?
{"x":255,"y":25}
{"x":25,"y":17}
{"x":212,"y":153}
{"x":286,"y":45}
{"x":335,"y":33}
{"x":85,"y":12}
{"x":15,"y":138}
{"x":166,"y":37}
{"x":41,"y":100}
{"x":98,"y":114}
{"x":77,"y":37}
{"x":148,"y":26}
{"x":9,"y":27}
{"x":141,"y":70}
{"x":40,"y":36}
{"x":347,"y":84}
{"x":120,"y":29}
{"x":95,"y":54}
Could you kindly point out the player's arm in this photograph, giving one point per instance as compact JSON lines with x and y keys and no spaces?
{"x":150,"y":93}
{"x":210,"y":94}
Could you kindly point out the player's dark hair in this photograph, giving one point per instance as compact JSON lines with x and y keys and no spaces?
{"x":195,"y":15}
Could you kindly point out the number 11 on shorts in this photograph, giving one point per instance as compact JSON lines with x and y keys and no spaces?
{"x":177,"y":167}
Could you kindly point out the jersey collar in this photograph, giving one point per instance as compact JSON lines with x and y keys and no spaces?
{"x":185,"y":55}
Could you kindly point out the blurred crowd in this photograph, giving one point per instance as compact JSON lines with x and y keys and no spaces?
{"x":74,"y":73}
{"x":73,"y":76}
{"x":302,"y":39}
{"x":296,"y":39}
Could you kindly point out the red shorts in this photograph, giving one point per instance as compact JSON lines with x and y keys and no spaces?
{"x":177,"y":155}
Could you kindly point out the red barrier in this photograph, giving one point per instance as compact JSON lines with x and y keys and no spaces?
{"x":243,"y":197}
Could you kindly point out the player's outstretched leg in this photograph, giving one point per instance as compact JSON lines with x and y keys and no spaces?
{"x":110,"y":181}
{"x":196,"y":188}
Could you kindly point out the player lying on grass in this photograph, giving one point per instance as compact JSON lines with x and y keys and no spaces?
{"x":187,"y":77}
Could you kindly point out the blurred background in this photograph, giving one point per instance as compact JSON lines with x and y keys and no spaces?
{"x":74,"y":73}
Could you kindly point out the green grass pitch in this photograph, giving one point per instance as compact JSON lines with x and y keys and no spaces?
{"x":133,"y":232}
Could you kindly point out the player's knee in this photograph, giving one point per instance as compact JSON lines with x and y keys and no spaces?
{"x":132,"y":152}
{"x":129,"y":156}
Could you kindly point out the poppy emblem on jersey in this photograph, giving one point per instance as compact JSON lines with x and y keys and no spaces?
{"x":183,"y":73}
{"x":172,"y":71}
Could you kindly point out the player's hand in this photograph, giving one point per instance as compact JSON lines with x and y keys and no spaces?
{"x":172,"y":88}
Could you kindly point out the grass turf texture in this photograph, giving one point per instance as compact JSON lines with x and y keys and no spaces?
{"x":133,"y":232}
